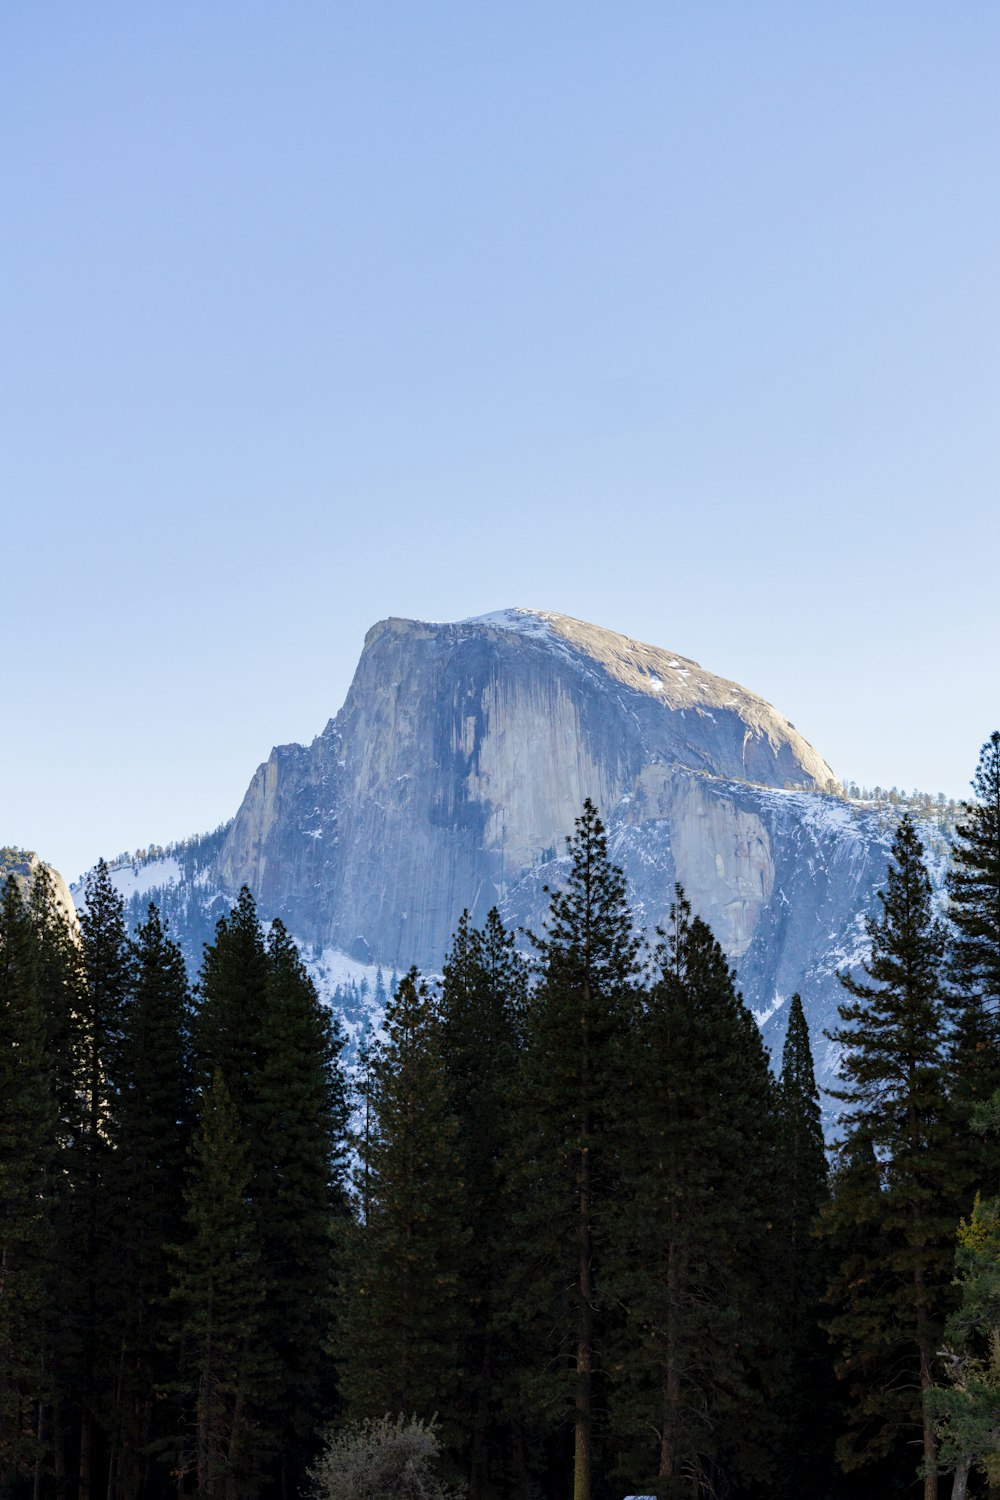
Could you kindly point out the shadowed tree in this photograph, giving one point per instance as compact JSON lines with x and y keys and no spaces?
{"x":27,"y":1143}
{"x":482,"y":1014}
{"x":693,"y":1367}
{"x":578,"y":1021}
{"x":891,"y":1315}
{"x":407,"y":1329}
{"x":973,"y":883}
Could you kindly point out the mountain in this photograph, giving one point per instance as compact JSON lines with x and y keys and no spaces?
{"x":460,"y":759}
{"x":454,"y":770}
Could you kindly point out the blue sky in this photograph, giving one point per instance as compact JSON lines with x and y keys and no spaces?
{"x":681,"y":318}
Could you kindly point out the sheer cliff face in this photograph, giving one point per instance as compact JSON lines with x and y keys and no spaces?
{"x":462,"y":754}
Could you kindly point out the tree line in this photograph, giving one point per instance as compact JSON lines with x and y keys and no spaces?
{"x":563,"y":1208}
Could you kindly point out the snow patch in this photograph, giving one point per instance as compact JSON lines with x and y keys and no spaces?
{"x":763,"y":1016}
{"x":137,"y":880}
{"x":519,"y":619}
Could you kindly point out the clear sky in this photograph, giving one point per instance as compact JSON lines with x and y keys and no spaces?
{"x":682,"y":318}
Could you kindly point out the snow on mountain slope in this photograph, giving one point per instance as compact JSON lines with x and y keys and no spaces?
{"x":453,"y":773}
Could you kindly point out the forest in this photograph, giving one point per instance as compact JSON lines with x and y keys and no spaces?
{"x":562,"y":1224}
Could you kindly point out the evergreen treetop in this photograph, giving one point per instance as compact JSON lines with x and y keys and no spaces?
{"x":974,"y":887}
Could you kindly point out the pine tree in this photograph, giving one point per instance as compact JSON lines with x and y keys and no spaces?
{"x":966,"y":1410}
{"x":693,"y":1363}
{"x":803,"y":1187}
{"x":27,"y":1141}
{"x":145,"y":1200}
{"x":577,"y":1025}
{"x":301,"y":1112}
{"x":89,"y":1247}
{"x":482,"y":1007}
{"x":58,"y":978}
{"x":973,"y":883}
{"x":231,"y":1023}
{"x":405,"y":1331}
{"x":893,"y":1066}
{"x":219,"y":1291}
{"x":974,"y":887}
{"x":261,"y":1030}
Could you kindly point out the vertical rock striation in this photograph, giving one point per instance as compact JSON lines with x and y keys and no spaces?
{"x":460,"y":758}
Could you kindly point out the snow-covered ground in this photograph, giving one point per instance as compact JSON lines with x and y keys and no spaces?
{"x":136,"y":879}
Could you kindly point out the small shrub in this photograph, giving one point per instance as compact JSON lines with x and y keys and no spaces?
{"x":381,"y":1459}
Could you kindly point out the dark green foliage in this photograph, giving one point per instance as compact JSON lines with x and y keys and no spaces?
{"x":694,"y":1366}
{"x":27,"y":1139}
{"x":262,"y":1032}
{"x":219,"y":1291}
{"x":145,"y":1202}
{"x":407,"y":1328}
{"x":231,"y":1023}
{"x":974,"y":965}
{"x":966,"y":1409}
{"x":974,"y":886}
{"x":301,"y":1110}
{"x":482,"y":1013}
{"x":88,"y":1253}
{"x":57,"y":970}
{"x":583,"y":1230}
{"x":889,"y":1316}
{"x":570,"y":1112}
{"x":802,"y":1175}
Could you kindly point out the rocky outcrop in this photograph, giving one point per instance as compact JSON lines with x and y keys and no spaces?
{"x":24,"y":864}
{"x":464,"y":752}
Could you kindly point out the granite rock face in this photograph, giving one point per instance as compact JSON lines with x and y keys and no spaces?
{"x":454,"y":771}
{"x":460,"y":759}
{"x":24,"y":864}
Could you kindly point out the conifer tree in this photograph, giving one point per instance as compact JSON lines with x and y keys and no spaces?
{"x":693,"y":1365}
{"x":301,"y":1110}
{"x":406,"y":1330}
{"x":974,"y":887}
{"x":803,"y":1191}
{"x":577,"y":1024}
{"x":966,"y":1409}
{"x":89,"y":1247}
{"x":482,"y":1008}
{"x":231,"y":1022}
{"x":893,"y":1067}
{"x":27,"y":1140}
{"x":219,"y":1291}
{"x":145,"y":1199}
{"x":56,"y":962}
{"x":261,"y":1030}
{"x":973,"y":883}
